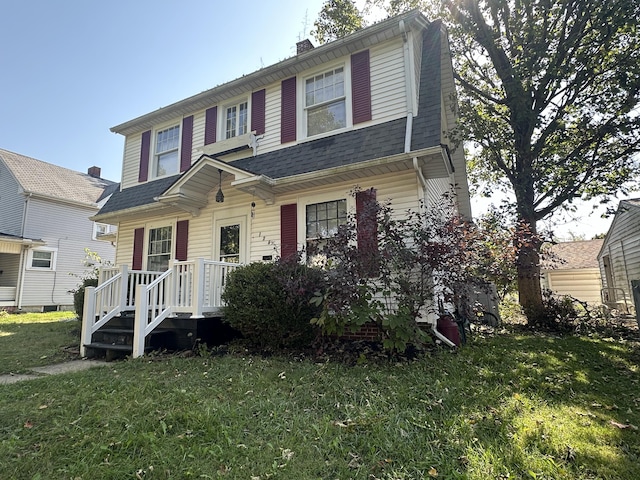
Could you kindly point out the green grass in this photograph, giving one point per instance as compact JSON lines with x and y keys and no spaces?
{"x":511,"y":406}
{"x":35,"y":339}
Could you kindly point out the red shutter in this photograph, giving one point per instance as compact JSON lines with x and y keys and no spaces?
{"x":288,"y":122}
{"x":138,"y":247}
{"x":182,"y":239}
{"x":210,"y":125}
{"x":145,"y":150}
{"x":288,"y":230}
{"x":361,"y":87}
{"x":187,"y":140}
{"x":367,"y":229}
{"x":258,"y":111}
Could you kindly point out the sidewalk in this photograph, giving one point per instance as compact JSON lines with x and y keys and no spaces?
{"x":66,"y":367}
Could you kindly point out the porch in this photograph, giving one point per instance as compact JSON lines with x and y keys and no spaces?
{"x":188,"y":289}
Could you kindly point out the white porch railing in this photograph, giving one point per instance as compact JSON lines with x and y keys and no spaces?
{"x":115,"y":293}
{"x":190,"y":287}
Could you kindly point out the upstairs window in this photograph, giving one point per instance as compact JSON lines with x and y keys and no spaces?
{"x":236,"y":119}
{"x":159,"y":251}
{"x":166,"y":152}
{"x":325,"y":102}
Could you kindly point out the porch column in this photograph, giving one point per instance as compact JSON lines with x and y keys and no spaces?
{"x":140,"y":320}
{"x":88,"y":318}
{"x":197,"y":295}
{"x":124,"y":285}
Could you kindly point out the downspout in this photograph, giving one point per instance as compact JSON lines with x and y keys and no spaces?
{"x":408,"y":82}
{"x":23,"y":257}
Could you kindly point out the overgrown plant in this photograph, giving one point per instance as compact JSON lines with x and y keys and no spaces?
{"x":392,"y":285}
{"x":89,"y":278}
{"x":269,"y":303}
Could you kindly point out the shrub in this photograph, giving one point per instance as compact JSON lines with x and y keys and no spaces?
{"x":269,"y":303}
{"x":78,"y":294}
{"x":88,"y":279}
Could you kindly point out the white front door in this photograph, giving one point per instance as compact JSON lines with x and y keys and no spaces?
{"x":231,"y":239}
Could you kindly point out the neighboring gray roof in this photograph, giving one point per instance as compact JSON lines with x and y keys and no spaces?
{"x":50,"y":180}
{"x":574,"y":255}
{"x":348,"y":148}
{"x":8,"y":236}
{"x":142,"y":194}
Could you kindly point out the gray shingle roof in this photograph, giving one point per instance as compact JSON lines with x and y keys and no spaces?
{"x":142,"y":194}
{"x":53,"y":181}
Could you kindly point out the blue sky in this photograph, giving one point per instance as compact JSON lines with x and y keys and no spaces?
{"x":71,"y":69}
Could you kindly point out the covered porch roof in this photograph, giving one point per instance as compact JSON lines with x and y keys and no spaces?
{"x":13,"y":244}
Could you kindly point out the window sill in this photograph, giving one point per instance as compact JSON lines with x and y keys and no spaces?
{"x":228,"y":144}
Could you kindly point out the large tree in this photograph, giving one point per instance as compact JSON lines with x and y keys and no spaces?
{"x":550,"y":92}
{"x":549,"y":103}
{"x":337,"y":19}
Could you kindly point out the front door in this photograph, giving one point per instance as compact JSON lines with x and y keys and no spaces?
{"x":231,"y":239}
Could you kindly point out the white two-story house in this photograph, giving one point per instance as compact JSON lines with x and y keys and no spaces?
{"x":45,"y":229}
{"x":255,"y":168}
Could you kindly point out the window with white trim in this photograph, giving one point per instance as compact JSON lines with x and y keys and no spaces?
{"x":159,"y":249}
{"x":166,"y":158}
{"x":41,"y":259}
{"x":236,"y":119}
{"x":322,"y":222}
{"x":100,"y":229}
{"x":325,"y":102}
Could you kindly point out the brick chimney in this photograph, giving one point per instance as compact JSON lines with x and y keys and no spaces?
{"x":94,"y":172}
{"x":304,"y":46}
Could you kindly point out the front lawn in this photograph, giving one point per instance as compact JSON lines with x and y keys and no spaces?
{"x":34,"y":339}
{"x":508,"y":406}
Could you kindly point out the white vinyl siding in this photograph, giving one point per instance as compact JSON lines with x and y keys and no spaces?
{"x":68,"y":230}
{"x":622,"y":246}
{"x":271,"y":139}
{"x":131,"y":161}
{"x":263,"y":230}
{"x":583,"y":284}
{"x":11,"y":203}
{"x":388,"y":86}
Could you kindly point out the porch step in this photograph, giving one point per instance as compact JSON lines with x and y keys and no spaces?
{"x":117,"y":342}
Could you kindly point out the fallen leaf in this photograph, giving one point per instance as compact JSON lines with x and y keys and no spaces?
{"x":42,"y":407}
{"x":28,"y":424}
{"x":433,"y":472}
{"x":623,"y":426}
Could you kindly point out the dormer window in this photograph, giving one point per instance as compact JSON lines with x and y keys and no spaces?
{"x":325,"y":102}
{"x":166,"y":152}
{"x":236,"y":119}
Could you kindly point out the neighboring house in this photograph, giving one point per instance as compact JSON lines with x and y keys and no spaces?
{"x":44,"y":230}
{"x":256,"y":168}
{"x":619,"y":258}
{"x":571,"y":268}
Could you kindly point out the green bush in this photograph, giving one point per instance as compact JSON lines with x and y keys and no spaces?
{"x":269,"y":303}
{"x":78,"y":294}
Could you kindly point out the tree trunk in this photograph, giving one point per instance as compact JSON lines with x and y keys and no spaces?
{"x":528,"y":265}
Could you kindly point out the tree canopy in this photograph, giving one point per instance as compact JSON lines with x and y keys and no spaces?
{"x":337,"y":19}
{"x":549,"y":104}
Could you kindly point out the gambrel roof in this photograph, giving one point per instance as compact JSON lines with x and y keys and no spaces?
{"x":321,"y":156}
{"x":51,"y":181}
